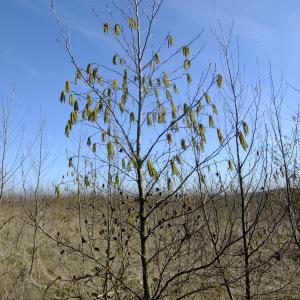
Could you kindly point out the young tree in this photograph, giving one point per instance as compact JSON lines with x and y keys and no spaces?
{"x":11,"y":142}
{"x":133,"y":107}
{"x":285,"y":153}
{"x":250,"y":167}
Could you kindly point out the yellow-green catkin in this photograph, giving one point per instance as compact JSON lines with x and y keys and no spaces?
{"x":134,"y":162}
{"x":170,"y":41}
{"x":132,"y":23}
{"x":95,"y":73}
{"x":68,"y":129}
{"x":117,"y":29}
{"x":186,"y":51}
{"x":151,"y":169}
{"x":94,"y":148}
{"x":219,"y":80}
{"x":78,"y":74}
{"x":149,"y":119}
{"x":187,"y":64}
{"x":220,"y":136}
{"x":89,"y":69}
{"x":105,"y":27}
{"x":214,"y":109}
{"x":245,"y":128}
{"x":230,"y":165}
{"x":183,"y":144}
{"x":174,"y":168}
{"x":207,"y":98}
{"x":199,"y":107}
{"x":157,"y":58}
{"x":110,"y":150}
{"x":132,"y":117}
{"x":63,"y":97}
{"x":211,"y":121}
{"x":166,"y":80}
{"x":243,"y":141}
{"x":202,"y":132}
{"x":67,"y":86}
{"x":173,"y":109}
{"x":71,"y":99}
{"x":185,"y":108}
{"x":103,"y":136}
{"x":114,"y":84}
{"x":106,"y":115}
{"x":123,"y":163}
{"x":169,"y":138}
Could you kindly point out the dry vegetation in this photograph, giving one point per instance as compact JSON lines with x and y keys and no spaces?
{"x":70,"y":261}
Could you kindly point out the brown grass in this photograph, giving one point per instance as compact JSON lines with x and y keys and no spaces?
{"x":66,"y":268}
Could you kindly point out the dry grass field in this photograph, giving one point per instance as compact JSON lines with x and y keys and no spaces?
{"x":69,"y":259}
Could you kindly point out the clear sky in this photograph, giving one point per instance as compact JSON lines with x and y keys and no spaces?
{"x":33,"y":62}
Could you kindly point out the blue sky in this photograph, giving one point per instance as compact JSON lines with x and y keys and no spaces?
{"x":33,"y":62}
